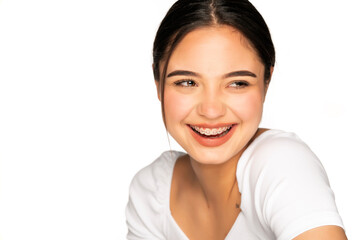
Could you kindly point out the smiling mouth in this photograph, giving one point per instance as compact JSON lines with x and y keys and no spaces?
{"x":211,"y":132}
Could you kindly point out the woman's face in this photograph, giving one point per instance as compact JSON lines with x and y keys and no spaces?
{"x":214,"y":94}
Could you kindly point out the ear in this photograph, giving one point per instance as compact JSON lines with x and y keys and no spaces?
{"x":157,"y":83}
{"x":267,"y":83}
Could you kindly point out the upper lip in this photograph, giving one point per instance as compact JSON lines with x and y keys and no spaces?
{"x":217,"y":125}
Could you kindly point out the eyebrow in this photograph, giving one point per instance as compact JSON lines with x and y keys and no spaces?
{"x":240,"y":74}
{"x":183,"y":73}
{"x":194,"y":74}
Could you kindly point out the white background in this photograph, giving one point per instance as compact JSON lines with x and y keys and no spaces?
{"x":79,"y":114}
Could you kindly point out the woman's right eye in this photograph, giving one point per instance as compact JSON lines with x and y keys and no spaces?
{"x":185,"y":83}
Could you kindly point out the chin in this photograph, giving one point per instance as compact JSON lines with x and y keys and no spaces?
{"x":213,"y":156}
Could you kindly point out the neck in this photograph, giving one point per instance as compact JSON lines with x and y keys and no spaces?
{"x":217,"y":182}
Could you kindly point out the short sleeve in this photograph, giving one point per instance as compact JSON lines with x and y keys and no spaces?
{"x":290,"y":188}
{"x":148,"y":200}
{"x":143,"y":211}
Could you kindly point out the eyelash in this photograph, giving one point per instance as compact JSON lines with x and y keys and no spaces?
{"x":239,"y":84}
{"x":186,"y":83}
{"x":192,"y":83}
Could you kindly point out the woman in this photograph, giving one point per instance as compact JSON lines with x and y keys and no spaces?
{"x":213,"y":61}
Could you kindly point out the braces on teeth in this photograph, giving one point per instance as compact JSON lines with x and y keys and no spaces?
{"x":210,"y":131}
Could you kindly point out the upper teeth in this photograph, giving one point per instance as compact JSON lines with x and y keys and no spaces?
{"x":211,"y":131}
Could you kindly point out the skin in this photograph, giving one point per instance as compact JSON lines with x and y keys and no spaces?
{"x":202,"y":89}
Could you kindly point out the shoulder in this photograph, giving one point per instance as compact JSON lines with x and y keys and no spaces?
{"x":158,"y":172}
{"x":154,"y":179}
{"x":282,"y":161}
{"x":280,"y":153}
{"x":278,"y":157}
{"x":289,"y":189}
{"x":149,"y":196}
{"x":276,"y":142}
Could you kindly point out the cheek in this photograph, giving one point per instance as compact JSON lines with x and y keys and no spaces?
{"x":177,"y":106}
{"x":248,"y":106}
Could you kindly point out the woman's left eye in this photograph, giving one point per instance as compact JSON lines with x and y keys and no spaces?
{"x":239,"y":84}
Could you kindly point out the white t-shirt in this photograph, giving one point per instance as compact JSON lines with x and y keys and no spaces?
{"x":284,"y":192}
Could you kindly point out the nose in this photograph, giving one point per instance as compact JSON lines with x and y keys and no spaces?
{"x":211,"y":106}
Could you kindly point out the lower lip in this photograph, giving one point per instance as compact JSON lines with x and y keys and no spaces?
{"x":212,"y":142}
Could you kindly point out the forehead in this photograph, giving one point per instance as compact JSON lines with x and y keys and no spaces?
{"x":215,"y":49}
